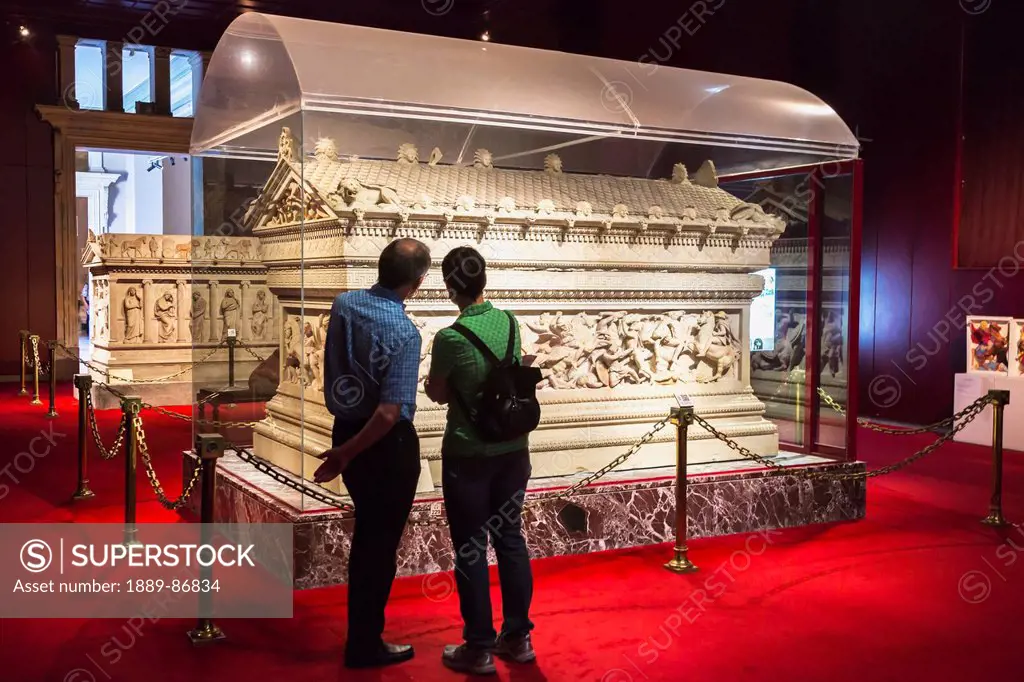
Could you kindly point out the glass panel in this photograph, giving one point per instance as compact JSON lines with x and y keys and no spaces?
{"x":232,"y":315}
{"x":136,"y":77}
{"x":182,"y":84}
{"x":778,"y":326}
{"x":89,"y":86}
{"x":442,"y":90}
{"x":836,"y":227}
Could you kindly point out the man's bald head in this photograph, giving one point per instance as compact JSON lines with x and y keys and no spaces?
{"x":403,"y":263}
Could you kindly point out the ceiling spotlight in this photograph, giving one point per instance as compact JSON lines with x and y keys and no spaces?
{"x":485,"y":36}
{"x":24,"y":32}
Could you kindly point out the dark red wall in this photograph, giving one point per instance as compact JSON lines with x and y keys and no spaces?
{"x":27,"y":262}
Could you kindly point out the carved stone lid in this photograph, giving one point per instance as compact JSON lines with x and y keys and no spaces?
{"x":491,"y":188}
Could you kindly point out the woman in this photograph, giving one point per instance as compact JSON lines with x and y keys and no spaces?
{"x":484,"y":483}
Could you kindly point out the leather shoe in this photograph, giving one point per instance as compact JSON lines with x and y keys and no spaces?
{"x":384,"y":654}
{"x":465,"y":659}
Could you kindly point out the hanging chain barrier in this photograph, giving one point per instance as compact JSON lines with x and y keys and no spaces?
{"x":946,"y":423}
{"x":960,"y":421}
{"x":147,"y":462}
{"x":103,"y":371}
{"x":618,"y":461}
{"x":324,"y":496}
{"x":121,"y":430}
{"x":250,"y":351}
{"x":861,"y":421}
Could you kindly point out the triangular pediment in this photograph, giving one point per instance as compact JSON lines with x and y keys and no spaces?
{"x":287,"y":199}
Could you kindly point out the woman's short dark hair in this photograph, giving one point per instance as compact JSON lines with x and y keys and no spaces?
{"x":464,"y":271}
{"x":402,"y":262}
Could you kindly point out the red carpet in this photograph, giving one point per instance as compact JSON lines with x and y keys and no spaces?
{"x":882,"y":599}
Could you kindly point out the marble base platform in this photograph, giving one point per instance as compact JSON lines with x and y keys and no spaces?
{"x":625,"y":509}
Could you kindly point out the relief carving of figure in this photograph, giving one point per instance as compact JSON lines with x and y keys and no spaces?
{"x":612,"y":348}
{"x":154,"y":247}
{"x":101,"y":309}
{"x":198,"y":316}
{"x":132,"y":307}
{"x":260,"y":308}
{"x":351,"y":192}
{"x":229,"y":312}
{"x":292,"y":364}
{"x":312,"y":371}
{"x":166,"y":313}
{"x":831,"y":344}
{"x":789,"y":345}
{"x":286,"y":145}
{"x":132,"y":248}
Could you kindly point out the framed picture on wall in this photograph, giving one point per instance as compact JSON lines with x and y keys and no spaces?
{"x":988,"y":345}
{"x":1016,"y":354}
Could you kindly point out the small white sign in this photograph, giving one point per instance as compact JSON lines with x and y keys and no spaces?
{"x":684,"y":400}
{"x":231,"y":334}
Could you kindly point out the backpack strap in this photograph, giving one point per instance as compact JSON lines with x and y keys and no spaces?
{"x":509,"y":351}
{"x":484,"y":349}
{"x":478,"y":342}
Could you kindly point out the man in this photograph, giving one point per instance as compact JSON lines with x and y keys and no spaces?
{"x":484,"y":483}
{"x":371,"y":377}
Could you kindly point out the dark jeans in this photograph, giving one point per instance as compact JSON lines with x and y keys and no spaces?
{"x":483,"y":496}
{"x":382,"y":483}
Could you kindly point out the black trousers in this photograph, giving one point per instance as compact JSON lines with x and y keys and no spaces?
{"x":382,"y":482}
{"x":483,"y":497}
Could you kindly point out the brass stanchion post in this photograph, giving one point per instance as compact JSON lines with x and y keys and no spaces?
{"x":682,"y":417}
{"x":34,"y":340}
{"x":232,"y":340}
{"x":51,"y":347}
{"x":23,"y":334}
{"x":1000,"y":399}
{"x":209,"y":448}
{"x":83,"y":382}
{"x":130,"y":407}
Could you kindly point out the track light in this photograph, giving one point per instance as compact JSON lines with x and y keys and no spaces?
{"x":24,"y":31}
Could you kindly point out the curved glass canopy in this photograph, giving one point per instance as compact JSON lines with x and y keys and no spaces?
{"x":372,"y":90}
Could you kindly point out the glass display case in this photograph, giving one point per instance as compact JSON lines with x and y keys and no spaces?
{"x":615,"y":204}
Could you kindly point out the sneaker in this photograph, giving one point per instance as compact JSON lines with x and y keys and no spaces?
{"x":515,"y":648}
{"x":464,"y":659}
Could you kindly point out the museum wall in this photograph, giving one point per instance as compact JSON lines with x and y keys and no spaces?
{"x":27,"y":264}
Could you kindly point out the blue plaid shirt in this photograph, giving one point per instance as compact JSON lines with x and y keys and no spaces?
{"x":372,"y":355}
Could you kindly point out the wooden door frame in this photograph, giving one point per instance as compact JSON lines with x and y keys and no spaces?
{"x":73,"y":129}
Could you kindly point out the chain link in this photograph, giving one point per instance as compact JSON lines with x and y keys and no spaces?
{"x":945,"y":423}
{"x":250,"y":351}
{"x":961,"y":420}
{"x":603,"y":471}
{"x":317,"y":492}
{"x":118,"y":440}
{"x":324,"y":496}
{"x":147,"y":462}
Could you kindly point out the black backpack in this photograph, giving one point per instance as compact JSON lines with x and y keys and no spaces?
{"x":508,"y":405}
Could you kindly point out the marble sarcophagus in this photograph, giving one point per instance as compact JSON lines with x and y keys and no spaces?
{"x":630,"y":291}
{"x":161,"y":303}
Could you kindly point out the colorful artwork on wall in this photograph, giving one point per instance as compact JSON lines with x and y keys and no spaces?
{"x":989,"y":343}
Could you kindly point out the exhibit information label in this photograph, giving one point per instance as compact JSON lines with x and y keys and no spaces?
{"x":159,"y":570}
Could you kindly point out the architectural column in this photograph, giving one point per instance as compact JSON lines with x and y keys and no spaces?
{"x":113,"y":76}
{"x":147,"y":310}
{"x":245,"y":316}
{"x":184,"y":311}
{"x":214,"y":310}
{"x":160,"y":71}
{"x":66,"y":70}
